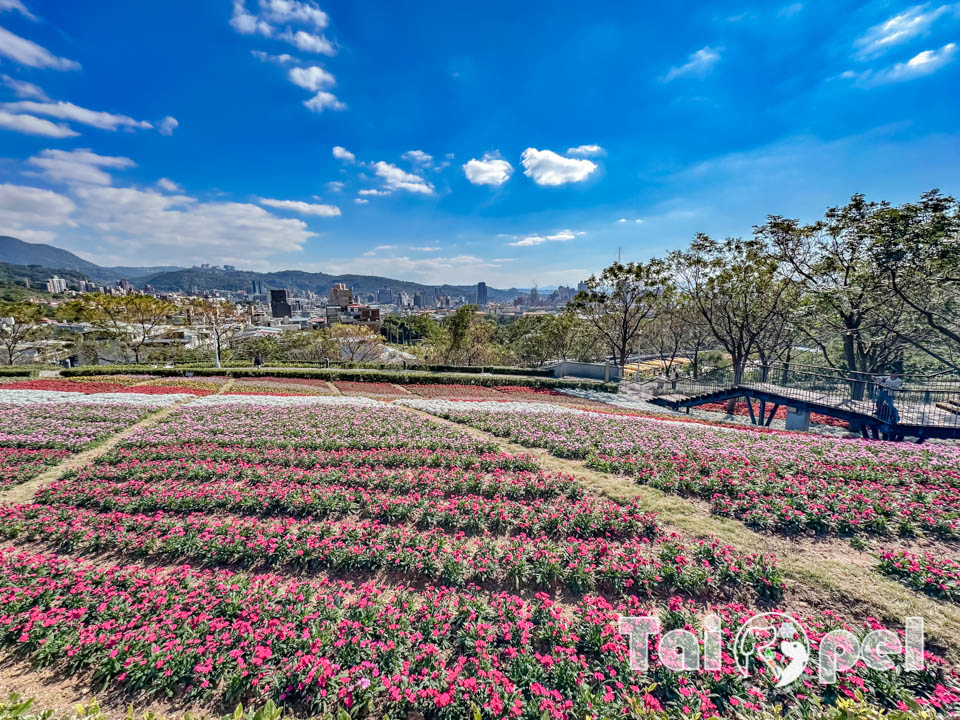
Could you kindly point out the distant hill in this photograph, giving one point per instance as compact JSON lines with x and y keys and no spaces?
{"x":18,"y":252}
{"x":172,"y":278}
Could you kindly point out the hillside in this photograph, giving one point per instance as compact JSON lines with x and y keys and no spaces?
{"x":173,"y":278}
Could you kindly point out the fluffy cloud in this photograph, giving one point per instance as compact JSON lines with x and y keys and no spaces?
{"x":533,"y":240}
{"x":311,"y":78}
{"x":425,"y":248}
{"x":24,"y":89}
{"x":491,"y":170}
{"x":167,"y":125}
{"x":24,"y":208}
{"x":281,"y":59}
{"x":586,"y":151}
{"x":418,"y":156}
{"x":169,"y":185}
{"x":341,"y":153}
{"x":289,"y":11}
{"x":31,"y":125}
{"x":397,"y":179}
{"x":898,"y":29}
{"x":373,"y":191}
{"x":435,"y":270}
{"x":924,"y":63}
{"x":69,"y":111}
{"x":698,"y":65}
{"x":30,"y":54}
{"x":247,"y":24}
{"x":335,"y":186}
{"x":18,"y":6}
{"x":302,"y":208}
{"x":77,"y":166}
{"x":324,"y":100}
{"x":361,"y":201}
{"x":308,"y":42}
{"x":148,"y":227}
{"x":546,"y":167}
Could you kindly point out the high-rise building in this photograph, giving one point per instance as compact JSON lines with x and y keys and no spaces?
{"x":482,"y":294}
{"x":582,"y":286}
{"x":56,"y":285}
{"x":256,"y":286}
{"x":341,"y":295}
{"x":279,"y":306}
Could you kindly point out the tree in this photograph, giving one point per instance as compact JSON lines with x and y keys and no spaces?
{"x":21,"y":323}
{"x":622,"y":301}
{"x":355,"y":343}
{"x":916,"y":247}
{"x":220,"y":318}
{"x":845,"y":294}
{"x":132,"y":320}
{"x":737,"y":290}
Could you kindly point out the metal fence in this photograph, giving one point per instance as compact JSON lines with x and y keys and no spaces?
{"x":922,"y":400}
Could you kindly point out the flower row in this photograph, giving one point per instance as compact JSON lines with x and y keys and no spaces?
{"x":932,"y":574}
{"x":329,"y":646}
{"x":69,"y":426}
{"x":636,"y":565}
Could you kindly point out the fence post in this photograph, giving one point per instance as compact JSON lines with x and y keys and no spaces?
{"x":606,"y":371}
{"x":765,"y":374}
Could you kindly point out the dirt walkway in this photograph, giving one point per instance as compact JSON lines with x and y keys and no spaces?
{"x":828,"y":575}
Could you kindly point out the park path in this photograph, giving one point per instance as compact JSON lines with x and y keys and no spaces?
{"x":25,"y":492}
{"x":819,"y":574}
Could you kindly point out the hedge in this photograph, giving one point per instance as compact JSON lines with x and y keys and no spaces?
{"x":18,"y":371}
{"x":471,"y":369}
{"x":353,"y":375}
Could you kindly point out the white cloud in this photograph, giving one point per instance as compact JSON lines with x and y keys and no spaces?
{"x":341,"y":153}
{"x":335,"y":186}
{"x":245,"y":23}
{"x":491,"y":170}
{"x":924,"y":63}
{"x":323,"y":100}
{"x":417,"y":156}
{"x":698,"y":64}
{"x":281,"y":59}
{"x":169,"y":185}
{"x":425,"y":248}
{"x":397,"y":179}
{"x":373,"y":191}
{"x":622,"y":220}
{"x":311,"y":78}
{"x":77,"y":166}
{"x":24,"y":89}
{"x":385,"y":247}
{"x":31,"y":125}
{"x":167,"y":125}
{"x":30,"y":54}
{"x":18,"y":6}
{"x":898,"y":29}
{"x":361,"y":201}
{"x":791,"y":10}
{"x":290,"y":11}
{"x":68,"y":111}
{"x":24,"y":209}
{"x":586,"y":151}
{"x":546,"y":167}
{"x":302,"y":208}
{"x":435,"y":270}
{"x":308,"y":42}
{"x":148,"y":227}
{"x":533,"y":240}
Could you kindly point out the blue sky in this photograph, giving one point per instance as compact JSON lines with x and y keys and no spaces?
{"x":455,"y":142}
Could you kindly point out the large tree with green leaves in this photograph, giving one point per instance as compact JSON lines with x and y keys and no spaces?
{"x":737,"y":290}
{"x":622,"y":300}
{"x":131,"y":320}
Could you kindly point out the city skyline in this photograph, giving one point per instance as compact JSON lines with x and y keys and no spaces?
{"x":477,"y":143}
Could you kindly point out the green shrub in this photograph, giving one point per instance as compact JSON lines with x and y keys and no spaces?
{"x":21,"y":371}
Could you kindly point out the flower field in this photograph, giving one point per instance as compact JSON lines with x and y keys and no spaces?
{"x":340,"y":554}
{"x":783,"y":483}
{"x":929,"y":573}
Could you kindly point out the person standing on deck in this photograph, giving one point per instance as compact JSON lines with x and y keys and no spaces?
{"x":888,"y":387}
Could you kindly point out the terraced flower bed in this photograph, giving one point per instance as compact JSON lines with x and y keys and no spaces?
{"x":782,"y":483}
{"x":341,"y":555}
{"x":929,"y":573}
{"x":279,"y":386}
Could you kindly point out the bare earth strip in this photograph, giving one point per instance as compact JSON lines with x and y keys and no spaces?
{"x":819,"y":576}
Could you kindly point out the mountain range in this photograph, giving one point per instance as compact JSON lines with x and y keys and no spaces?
{"x":173,"y":278}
